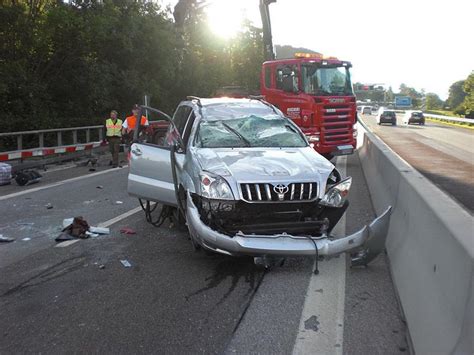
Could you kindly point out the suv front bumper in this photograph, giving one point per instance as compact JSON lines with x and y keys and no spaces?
{"x":365,"y":244}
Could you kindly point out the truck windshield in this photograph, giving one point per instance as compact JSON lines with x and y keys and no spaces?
{"x":249,"y":131}
{"x":326,"y":80}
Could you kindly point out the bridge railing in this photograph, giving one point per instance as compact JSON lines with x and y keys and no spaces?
{"x":59,"y":132}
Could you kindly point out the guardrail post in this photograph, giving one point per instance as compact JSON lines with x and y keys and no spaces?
{"x":19,"y":142}
{"x":41,"y":140}
{"x":88,"y":135}
{"x":60,"y":138}
{"x":74,"y":137}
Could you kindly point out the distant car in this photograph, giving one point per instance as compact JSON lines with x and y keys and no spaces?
{"x":366,"y":110}
{"x":414,"y":117}
{"x":387,"y":116}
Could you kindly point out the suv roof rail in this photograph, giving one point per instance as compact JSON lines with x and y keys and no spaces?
{"x":257,"y":97}
{"x":196,"y":98}
{"x":261,"y":98}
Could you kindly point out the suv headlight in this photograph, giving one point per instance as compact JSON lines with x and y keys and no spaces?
{"x":337,"y":195}
{"x":215,"y":187}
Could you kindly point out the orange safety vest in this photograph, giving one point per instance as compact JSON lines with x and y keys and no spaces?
{"x":132,"y":121}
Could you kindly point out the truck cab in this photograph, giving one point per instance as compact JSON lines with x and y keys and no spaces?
{"x":316,"y":93}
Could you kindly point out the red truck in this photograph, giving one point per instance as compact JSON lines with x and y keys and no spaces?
{"x":316,"y":92}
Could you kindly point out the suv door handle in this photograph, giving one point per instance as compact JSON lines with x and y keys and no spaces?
{"x":137,"y":151}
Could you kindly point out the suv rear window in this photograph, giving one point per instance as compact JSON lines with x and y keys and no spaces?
{"x":389,"y":113}
{"x":417,"y":114}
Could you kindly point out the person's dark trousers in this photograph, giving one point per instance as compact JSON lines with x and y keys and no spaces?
{"x":114,"y":146}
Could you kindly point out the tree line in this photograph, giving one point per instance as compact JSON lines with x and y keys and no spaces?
{"x":67,"y":64}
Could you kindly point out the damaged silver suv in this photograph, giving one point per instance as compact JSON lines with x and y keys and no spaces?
{"x":247,"y":182}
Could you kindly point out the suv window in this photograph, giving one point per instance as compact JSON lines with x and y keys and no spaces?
{"x":187,"y":129}
{"x":180,"y":118}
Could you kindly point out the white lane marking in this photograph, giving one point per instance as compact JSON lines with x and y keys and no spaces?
{"x":59,"y":183}
{"x":119,"y":217}
{"x":66,"y":243}
{"x":324,"y":302}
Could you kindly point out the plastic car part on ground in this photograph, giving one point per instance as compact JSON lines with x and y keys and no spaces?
{"x":127,"y":230}
{"x":5,"y":239}
{"x":78,"y":227}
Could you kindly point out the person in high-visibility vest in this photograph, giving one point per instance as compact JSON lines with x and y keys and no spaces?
{"x":113,"y":133}
{"x":130,"y":123}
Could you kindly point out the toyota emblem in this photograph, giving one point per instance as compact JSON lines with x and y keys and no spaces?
{"x":280,"y":190}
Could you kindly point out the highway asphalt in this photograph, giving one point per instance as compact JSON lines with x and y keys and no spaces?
{"x":442,"y":153}
{"x":80,"y":298}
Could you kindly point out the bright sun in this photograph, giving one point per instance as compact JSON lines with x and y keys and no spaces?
{"x":225,"y":18}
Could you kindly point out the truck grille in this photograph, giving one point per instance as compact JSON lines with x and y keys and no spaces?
{"x":337,"y":124}
{"x":262,"y":192}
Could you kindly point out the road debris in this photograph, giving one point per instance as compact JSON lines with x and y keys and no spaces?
{"x":26,"y":239}
{"x":99,"y":187}
{"x":125,"y":263}
{"x":5,"y":239}
{"x":99,"y":230}
{"x":118,"y":202}
{"x":101,"y":266}
{"x":48,"y":206}
{"x":5,"y":174}
{"x":79,"y":228}
{"x":28,"y":177}
{"x":127,"y":230}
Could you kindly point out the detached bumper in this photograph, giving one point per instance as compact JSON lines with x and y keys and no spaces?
{"x":366,"y":244}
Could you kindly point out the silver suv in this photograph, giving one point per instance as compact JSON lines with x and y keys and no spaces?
{"x":247,"y":182}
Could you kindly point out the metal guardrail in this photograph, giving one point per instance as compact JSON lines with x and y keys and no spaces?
{"x":450,"y":118}
{"x":59,"y":135}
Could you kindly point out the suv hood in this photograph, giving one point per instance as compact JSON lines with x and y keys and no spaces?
{"x":265,"y":164}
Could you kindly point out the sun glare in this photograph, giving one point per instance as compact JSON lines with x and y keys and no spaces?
{"x":225,"y":18}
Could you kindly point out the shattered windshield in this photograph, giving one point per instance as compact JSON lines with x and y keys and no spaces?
{"x":327,"y":80}
{"x":233,"y":126}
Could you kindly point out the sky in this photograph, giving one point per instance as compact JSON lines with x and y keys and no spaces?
{"x":426,"y":44}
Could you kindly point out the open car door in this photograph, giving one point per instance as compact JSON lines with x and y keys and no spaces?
{"x":150,"y":176}
{"x":151,"y":169}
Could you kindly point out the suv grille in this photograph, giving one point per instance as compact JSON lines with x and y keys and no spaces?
{"x":261,"y":192}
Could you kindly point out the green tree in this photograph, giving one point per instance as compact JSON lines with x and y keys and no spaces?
{"x":468,"y":103}
{"x":456,"y":94}
{"x":433,"y":102}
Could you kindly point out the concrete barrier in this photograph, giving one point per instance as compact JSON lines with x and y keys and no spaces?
{"x":431,"y":251}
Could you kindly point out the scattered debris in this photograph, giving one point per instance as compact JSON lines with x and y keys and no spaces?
{"x":26,"y":239}
{"x":67,"y":222}
{"x":27,"y":177}
{"x":48,"y":206}
{"x":5,"y":174}
{"x":79,"y":228}
{"x":99,"y":187}
{"x":127,"y":230}
{"x":125,"y":263}
{"x":92,"y":169}
{"x":5,"y":239}
{"x":87,"y":202}
{"x":118,"y":202}
{"x":99,"y":230}
{"x":101,"y":266}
